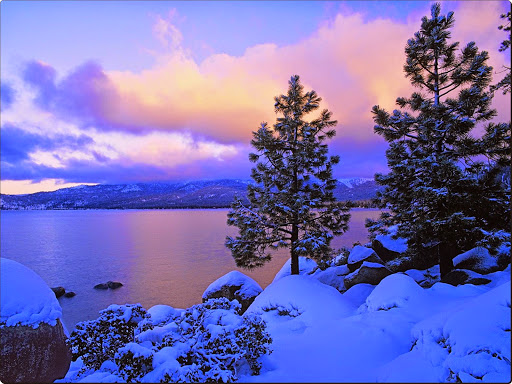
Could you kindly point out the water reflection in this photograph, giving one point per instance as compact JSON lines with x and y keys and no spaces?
{"x":161,"y":256}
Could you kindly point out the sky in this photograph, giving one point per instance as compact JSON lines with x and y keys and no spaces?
{"x":141,"y":91}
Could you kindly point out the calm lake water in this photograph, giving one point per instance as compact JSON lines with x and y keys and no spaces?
{"x":161,"y":256}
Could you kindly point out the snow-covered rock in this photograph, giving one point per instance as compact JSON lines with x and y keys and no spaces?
{"x":359,"y":254}
{"x":368,"y":273}
{"x":392,"y":292}
{"x":25,"y":299}
{"x":388,"y":248}
{"x":425,"y":278}
{"x":32,"y":339}
{"x":333,"y":276}
{"x":477,"y":259}
{"x":306,"y":266}
{"x":464,"y":276}
{"x":234,"y":286}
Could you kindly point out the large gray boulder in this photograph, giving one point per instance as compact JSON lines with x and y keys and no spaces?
{"x":234,"y":286}
{"x":32,"y":339}
{"x":368,"y":273}
{"x":33,"y":355}
{"x":360,"y":254}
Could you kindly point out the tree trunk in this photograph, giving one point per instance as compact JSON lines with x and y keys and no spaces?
{"x":446,"y":255}
{"x":294,"y":256}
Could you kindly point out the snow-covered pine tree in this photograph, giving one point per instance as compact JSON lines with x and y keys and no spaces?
{"x":439,"y":194}
{"x":505,"y":83}
{"x":291,"y":202}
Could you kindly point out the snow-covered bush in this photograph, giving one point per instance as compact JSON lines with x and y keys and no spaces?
{"x":213,"y":341}
{"x":209,"y":342}
{"x":134,"y":361}
{"x":98,"y":340}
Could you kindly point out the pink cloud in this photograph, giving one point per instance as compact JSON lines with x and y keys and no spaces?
{"x":351,"y":63}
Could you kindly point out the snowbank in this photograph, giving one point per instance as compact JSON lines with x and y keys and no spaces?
{"x":303,"y":295}
{"x":25,"y":297}
{"x":306,"y":266}
{"x":467,"y":343}
{"x":392,"y":292}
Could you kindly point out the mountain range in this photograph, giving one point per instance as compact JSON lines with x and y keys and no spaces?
{"x":192,"y":194}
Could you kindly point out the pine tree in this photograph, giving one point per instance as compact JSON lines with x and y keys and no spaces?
{"x":505,"y":83}
{"x":291,"y":202}
{"x":440,"y":195}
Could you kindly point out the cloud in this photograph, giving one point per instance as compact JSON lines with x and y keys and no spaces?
{"x":7,"y":95}
{"x":85,"y":96}
{"x":187,"y":119}
{"x":17,"y":144}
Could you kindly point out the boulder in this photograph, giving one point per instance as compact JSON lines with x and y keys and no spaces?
{"x":368,"y":273}
{"x":464,"y":276}
{"x":234,"y":286}
{"x":70,"y":294}
{"x":477,"y":259}
{"x":33,"y":355}
{"x":384,"y":253}
{"x":114,"y":284}
{"x":32,"y":338}
{"x":101,"y":286}
{"x":360,"y":254}
{"x":333,"y":276}
{"x":59,"y":291}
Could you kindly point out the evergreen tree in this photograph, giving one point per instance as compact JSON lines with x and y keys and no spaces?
{"x":443,"y":199}
{"x":291,"y":202}
{"x":506,"y":82}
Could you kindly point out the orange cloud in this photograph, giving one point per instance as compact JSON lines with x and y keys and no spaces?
{"x":352,"y":63}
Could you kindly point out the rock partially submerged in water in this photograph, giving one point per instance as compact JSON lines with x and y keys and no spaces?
{"x":59,"y":291}
{"x":114,"y":284}
{"x":109,"y":284}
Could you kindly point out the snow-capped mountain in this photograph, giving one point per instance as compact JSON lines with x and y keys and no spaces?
{"x":192,"y":194}
{"x":355,"y":181}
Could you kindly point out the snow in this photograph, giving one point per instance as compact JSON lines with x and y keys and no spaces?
{"x":351,"y":183}
{"x":485,"y":260}
{"x":306,"y":266}
{"x":333,"y":276}
{"x":393,"y":291}
{"x":395,"y":331}
{"x":311,"y":298}
{"x":161,"y":313}
{"x":248,"y":286}
{"x":396,"y":245}
{"x":359,"y":253}
{"x":25,"y":298}
{"x":382,"y":339}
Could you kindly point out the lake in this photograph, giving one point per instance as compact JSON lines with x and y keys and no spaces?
{"x":161,"y":256}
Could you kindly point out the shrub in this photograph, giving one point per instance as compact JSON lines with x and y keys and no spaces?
{"x":208,"y":342}
{"x":98,"y":340}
